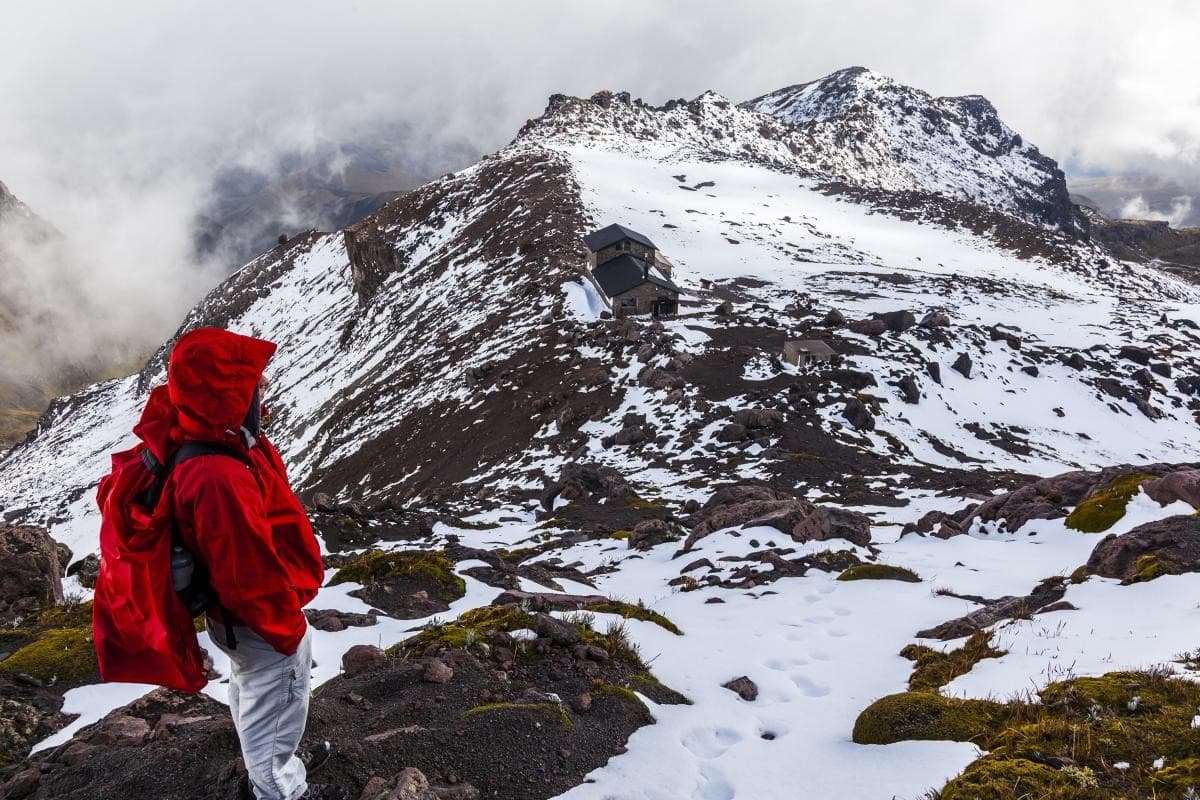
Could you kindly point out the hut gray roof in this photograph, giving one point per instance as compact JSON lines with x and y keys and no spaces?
{"x":814,"y":346}
{"x":598,"y":240}
{"x":625,"y":272}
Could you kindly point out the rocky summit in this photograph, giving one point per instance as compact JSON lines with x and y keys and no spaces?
{"x":917,"y":442}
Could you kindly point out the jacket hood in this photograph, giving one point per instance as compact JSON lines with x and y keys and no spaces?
{"x":211,"y":378}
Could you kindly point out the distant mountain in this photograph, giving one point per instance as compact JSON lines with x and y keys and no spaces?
{"x":42,"y":355}
{"x":331,"y":186}
{"x":1140,"y":197}
{"x":1144,"y":219}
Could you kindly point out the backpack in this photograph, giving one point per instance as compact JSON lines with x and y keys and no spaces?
{"x":189,"y":576}
{"x":144,"y":628}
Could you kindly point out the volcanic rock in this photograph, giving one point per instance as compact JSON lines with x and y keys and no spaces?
{"x":963,"y":365}
{"x":1168,"y":546}
{"x":362,"y":657}
{"x":31,"y":578}
{"x":744,"y":688}
{"x":648,"y":533}
{"x":897,"y":321}
{"x":857,"y":414}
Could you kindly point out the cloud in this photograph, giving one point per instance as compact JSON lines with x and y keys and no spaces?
{"x":1139,"y":208}
{"x":119,"y":114}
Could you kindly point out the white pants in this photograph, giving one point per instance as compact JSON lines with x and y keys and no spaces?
{"x":268,"y":698}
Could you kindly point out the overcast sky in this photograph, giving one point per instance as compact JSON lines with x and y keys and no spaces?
{"x":116,"y":114}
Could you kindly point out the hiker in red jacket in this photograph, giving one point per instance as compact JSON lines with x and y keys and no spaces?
{"x":232,"y":511}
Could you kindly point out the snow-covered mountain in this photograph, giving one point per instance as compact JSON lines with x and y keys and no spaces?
{"x":462,"y":307}
{"x":869,"y":130}
{"x":448,"y":358}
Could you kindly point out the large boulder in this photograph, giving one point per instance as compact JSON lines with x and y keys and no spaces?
{"x":361,"y":658}
{"x":751,"y":505}
{"x":869,"y":327}
{"x":648,"y":533}
{"x":736,"y":505}
{"x":963,"y":365}
{"x":858,"y":415}
{"x":897,"y":321}
{"x":1138,"y":355}
{"x":827,"y":522}
{"x":86,"y":569}
{"x":1053,"y":497}
{"x":587,"y":481}
{"x":1168,"y":546}
{"x":935,"y":319}
{"x":754,"y":418}
{"x":32,"y":576}
{"x":1182,"y":485}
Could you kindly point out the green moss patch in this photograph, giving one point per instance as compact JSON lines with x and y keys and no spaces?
{"x":604,"y":689}
{"x":551,"y":712}
{"x":934,"y":668}
{"x":65,"y":655}
{"x":879,"y":572}
{"x":470,"y":627}
{"x":1100,"y":510}
{"x":1066,"y":746}
{"x":639,"y":612}
{"x":376,"y":565}
{"x":924,"y":716}
{"x":635,"y":501}
{"x":1012,"y":778}
{"x":1147,"y":569}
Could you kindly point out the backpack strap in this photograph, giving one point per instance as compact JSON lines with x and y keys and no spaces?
{"x":161,"y":472}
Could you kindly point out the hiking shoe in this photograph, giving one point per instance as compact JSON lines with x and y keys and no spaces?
{"x":315,"y":757}
{"x":318,"y":791}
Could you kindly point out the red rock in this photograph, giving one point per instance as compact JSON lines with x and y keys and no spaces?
{"x":362,"y":657}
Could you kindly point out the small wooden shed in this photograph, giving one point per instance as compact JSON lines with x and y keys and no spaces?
{"x":803,"y":352}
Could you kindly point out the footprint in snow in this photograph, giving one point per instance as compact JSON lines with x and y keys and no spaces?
{"x":710,"y":742}
{"x":809,"y":686}
{"x":782,"y":664}
{"x":838,"y":632}
{"x":713,"y":785}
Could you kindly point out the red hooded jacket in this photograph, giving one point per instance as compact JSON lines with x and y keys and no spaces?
{"x":238,"y":516}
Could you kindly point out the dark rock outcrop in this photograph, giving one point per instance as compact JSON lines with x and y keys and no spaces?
{"x":858,"y":415}
{"x":751,"y":505}
{"x":1138,"y":355}
{"x":86,"y":569}
{"x":1168,"y":546}
{"x":1043,"y":595}
{"x":31,"y":578}
{"x":649,"y":533}
{"x":897,"y":321}
{"x":869,"y":327}
{"x":963,"y":365}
